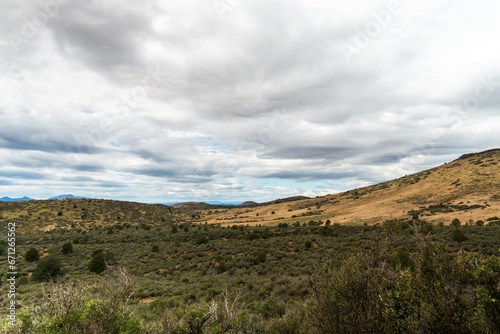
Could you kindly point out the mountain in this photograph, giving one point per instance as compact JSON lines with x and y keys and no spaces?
{"x":467,"y":188}
{"x":8,"y":199}
{"x":65,"y":197}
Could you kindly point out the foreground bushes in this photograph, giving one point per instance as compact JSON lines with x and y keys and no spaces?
{"x":438,"y":294}
{"x":77,"y":308}
{"x":380,"y":279}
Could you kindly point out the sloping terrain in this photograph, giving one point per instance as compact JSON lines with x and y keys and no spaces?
{"x":84,"y":213}
{"x":467,"y":188}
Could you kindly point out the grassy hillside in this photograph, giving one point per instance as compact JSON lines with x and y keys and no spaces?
{"x":467,"y":188}
{"x":86,"y":213}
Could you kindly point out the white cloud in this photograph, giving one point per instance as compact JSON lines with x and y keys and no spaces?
{"x":164,"y":101}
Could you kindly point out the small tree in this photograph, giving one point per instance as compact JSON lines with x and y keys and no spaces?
{"x":67,"y":248}
{"x":155,"y":249}
{"x":201,"y":239}
{"x":456,"y":222}
{"x":261,"y":257}
{"x":48,"y":268}
{"x":458,"y":236}
{"x":98,"y":263}
{"x":32,"y":255}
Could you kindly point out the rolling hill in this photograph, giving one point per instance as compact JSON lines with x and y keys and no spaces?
{"x":467,"y":188}
{"x":85,"y":213}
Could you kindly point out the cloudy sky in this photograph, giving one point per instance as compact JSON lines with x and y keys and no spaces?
{"x":234,"y":100}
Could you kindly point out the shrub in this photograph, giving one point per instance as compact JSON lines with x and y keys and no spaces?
{"x":67,"y":248}
{"x":155,"y":249}
{"x":308,"y":244}
{"x":22,"y":281}
{"x":221,"y":268}
{"x":260,"y":257}
{"x":273,"y":308}
{"x":48,"y":268}
{"x":293,"y":321}
{"x":326,"y":231}
{"x":480,"y":223}
{"x":347,"y":299}
{"x":456,"y":222}
{"x":439,"y":294}
{"x":201,"y":239}
{"x":97,"y":251}
{"x":401,"y":259}
{"x":266,"y":234}
{"x":98,"y":263}
{"x":83,"y":308}
{"x":252,"y":236}
{"x":32,"y":255}
{"x":458,"y":236}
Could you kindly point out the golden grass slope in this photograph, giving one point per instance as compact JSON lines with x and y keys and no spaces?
{"x":467,"y":188}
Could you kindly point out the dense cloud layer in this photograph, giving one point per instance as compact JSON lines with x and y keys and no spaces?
{"x":235,"y":100}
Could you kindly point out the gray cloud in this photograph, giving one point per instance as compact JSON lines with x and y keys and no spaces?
{"x":167,"y":101}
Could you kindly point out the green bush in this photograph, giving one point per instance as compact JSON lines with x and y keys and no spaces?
{"x":272,"y":308}
{"x":98,"y":263}
{"x":291,"y":322}
{"x":201,"y":239}
{"x":32,"y":255}
{"x":348,"y":299}
{"x":458,"y":236}
{"x":48,"y":268}
{"x":252,"y":236}
{"x":439,"y":294}
{"x":67,"y":248}
{"x":401,"y":260}
{"x":22,"y":281}
{"x":456,"y":222}
{"x":84,"y":308}
{"x":260,"y":257}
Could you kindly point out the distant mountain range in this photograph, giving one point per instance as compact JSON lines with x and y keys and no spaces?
{"x":65,"y":197}
{"x":8,"y":199}
{"x":207,"y":204}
